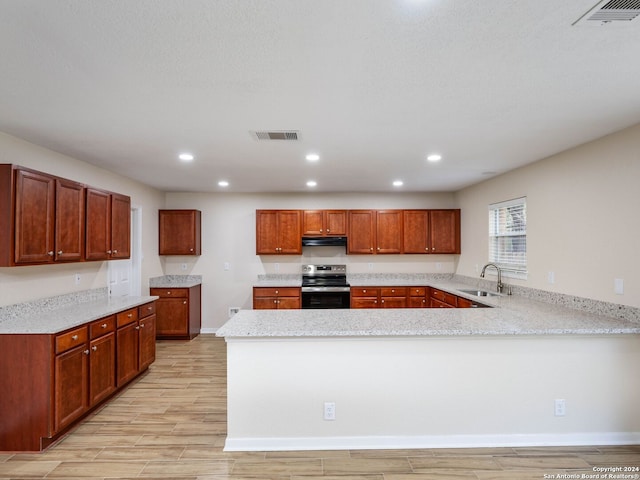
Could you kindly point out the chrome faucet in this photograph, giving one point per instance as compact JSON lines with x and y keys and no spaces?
{"x":500,"y":286}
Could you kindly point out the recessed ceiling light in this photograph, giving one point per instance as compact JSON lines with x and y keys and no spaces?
{"x":312,"y":183}
{"x":398,"y":183}
{"x":434,"y":157}
{"x":185,"y":157}
{"x":313,"y":157}
{"x":223,"y":183}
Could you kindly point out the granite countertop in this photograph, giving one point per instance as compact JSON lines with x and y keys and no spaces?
{"x":511,"y":315}
{"x":175,"y":281}
{"x":55,"y":320}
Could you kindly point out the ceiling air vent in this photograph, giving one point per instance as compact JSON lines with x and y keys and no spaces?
{"x":611,"y":13}
{"x":277,"y":135}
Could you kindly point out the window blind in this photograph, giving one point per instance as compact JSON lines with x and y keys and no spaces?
{"x":508,"y":234}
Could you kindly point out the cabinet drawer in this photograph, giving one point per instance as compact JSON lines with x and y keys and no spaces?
{"x":276,"y":292}
{"x":364,"y":291}
{"x":146,"y":309}
{"x":438,"y":294}
{"x":66,"y":341}
{"x":393,"y":292}
{"x":102,"y":326}
{"x":170,"y":292}
{"x":127,"y":317}
{"x":417,"y":291}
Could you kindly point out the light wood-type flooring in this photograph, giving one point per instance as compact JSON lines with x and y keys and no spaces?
{"x":170,"y":423}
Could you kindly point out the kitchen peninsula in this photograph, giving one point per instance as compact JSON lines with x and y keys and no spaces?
{"x":417,"y":378}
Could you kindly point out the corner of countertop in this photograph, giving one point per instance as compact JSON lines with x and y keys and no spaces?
{"x":175,"y":281}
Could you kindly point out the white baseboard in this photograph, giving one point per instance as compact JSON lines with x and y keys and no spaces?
{"x":208,"y":331}
{"x":430,"y":441}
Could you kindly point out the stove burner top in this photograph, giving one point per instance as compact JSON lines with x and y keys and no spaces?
{"x":327,"y":278}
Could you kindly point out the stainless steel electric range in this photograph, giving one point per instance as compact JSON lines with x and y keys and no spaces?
{"x":325,"y":286}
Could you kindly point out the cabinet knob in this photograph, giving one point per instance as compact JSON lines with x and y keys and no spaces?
{"x":434,"y":249}
{"x":142,"y":325}
{"x":275,"y":301}
{"x":277,"y":292}
{"x":104,"y":325}
{"x":130,"y":315}
{"x":381,"y":301}
{"x":59,"y":252}
{"x":375,"y":301}
{"x":364,"y":291}
{"x":191,"y":249}
{"x":321,"y":230}
{"x":86,"y":352}
{"x":371,"y":249}
{"x":74,"y":337}
{"x":50,"y":253}
{"x":149,"y":308}
{"x":378,"y":248}
{"x":327,"y":230}
{"x":109,"y":252}
{"x":393,"y":291}
{"x":168,"y":293}
{"x":184,"y":303}
{"x":115,"y":251}
{"x":94,"y":348}
{"x":137,"y":327}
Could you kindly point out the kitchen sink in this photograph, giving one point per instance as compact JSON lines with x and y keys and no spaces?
{"x":481,"y":293}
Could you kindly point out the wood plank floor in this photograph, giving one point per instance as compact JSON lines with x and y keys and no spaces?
{"x":171,"y":424}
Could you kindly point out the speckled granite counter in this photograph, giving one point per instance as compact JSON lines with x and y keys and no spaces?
{"x":50,"y":320}
{"x":175,"y":281}
{"x":512,"y":315}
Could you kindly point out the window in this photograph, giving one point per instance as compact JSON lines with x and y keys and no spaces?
{"x":508,"y":236}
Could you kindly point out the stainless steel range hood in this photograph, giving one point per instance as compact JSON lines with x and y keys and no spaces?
{"x":324,"y":241}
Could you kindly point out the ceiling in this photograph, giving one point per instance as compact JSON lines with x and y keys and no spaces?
{"x":372,"y":86}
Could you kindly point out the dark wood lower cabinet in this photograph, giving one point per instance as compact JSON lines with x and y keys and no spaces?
{"x":48,"y":382}
{"x":71,"y":386}
{"x":178,"y":312}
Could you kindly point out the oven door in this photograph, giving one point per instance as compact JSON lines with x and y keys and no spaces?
{"x":325,"y":299}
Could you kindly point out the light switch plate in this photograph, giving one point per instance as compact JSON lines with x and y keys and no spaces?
{"x":618,"y":286}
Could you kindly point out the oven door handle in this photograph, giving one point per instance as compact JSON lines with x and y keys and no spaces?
{"x":325,"y":289}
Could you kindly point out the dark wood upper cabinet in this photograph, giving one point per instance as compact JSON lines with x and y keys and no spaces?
{"x":34,"y":217}
{"x":47,"y":219}
{"x":431,"y":231}
{"x":108,"y":225}
{"x":179,"y":232}
{"x":278,"y":232}
{"x":324,"y":223}
{"x":70,"y":221}
{"x":375,"y":231}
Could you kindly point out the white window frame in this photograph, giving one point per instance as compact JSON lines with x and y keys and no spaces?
{"x":502,"y":227}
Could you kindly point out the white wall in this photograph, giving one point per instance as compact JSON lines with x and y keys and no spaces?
{"x":422,"y":392}
{"x":20,"y":284}
{"x":583,"y":218}
{"x":228,"y":235}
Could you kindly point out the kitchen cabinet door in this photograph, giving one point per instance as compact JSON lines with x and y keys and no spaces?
{"x":147,"y":337}
{"x":179,"y":232}
{"x":278,"y":232}
{"x":98,"y":225}
{"x":102,"y":368}
{"x":444,"y":231}
{"x":34,"y":218}
{"x":71,"y":386}
{"x":389,"y":231}
{"x":120,"y":226}
{"x":273,"y":298}
{"x":335,"y":222}
{"x":416,"y":231}
{"x":313,"y":223}
{"x":70,"y":221}
{"x":362,"y":231}
{"x":127,"y":341}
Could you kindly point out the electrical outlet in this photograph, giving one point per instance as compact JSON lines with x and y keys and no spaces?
{"x":226,"y":265}
{"x":551,"y":278}
{"x":371,"y":266}
{"x":233,"y":311}
{"x":618,"y":286}
{"x":76,"y":278}
{"x":276,"y":267}
{"x":329,"y":410}
{"x":183,"y":266}
{"x":438,"y":265}
{"x":560,"y":407}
